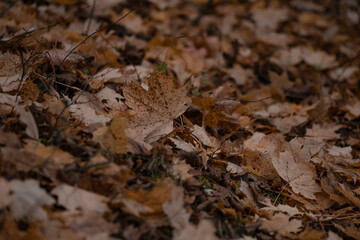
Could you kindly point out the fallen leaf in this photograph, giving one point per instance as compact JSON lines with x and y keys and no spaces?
{"x":323,"y":131}
{"x":333,"y":236}
{"x":111,"y":99}
{"x":156,"y":108}
{"x":282,"y":224}
{"x":318,"y":59}
{"x":153,"y":199}
{"x":180,"y":144}
{"x":59,"y":156}
{"x":235,"y":169}
{"x":27,"y":118}
{"x":113,"y":138}
{"x":106,"y":75}
{"x":11,"y":72}
{"x":26,"y":199}
{"x":88,"y":109}
{"x":299,"y":174}
{"x":346,"y":191}
{"x":291,"y":211}
{"x":179,"y":219}
{"x":75,"y":199}
{"x":181,"y":169}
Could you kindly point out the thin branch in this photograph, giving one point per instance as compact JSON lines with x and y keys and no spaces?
{"x":23,"y":35}
{"x":12,"y":4}
{"x":91,"y":16}
{"x":92,"y":34}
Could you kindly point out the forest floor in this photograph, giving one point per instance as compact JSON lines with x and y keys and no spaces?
{"x":179,"y":119}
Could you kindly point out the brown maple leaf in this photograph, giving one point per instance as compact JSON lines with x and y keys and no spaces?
{"x":155,"y":108}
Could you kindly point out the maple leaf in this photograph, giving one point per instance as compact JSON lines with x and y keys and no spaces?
{"x":157,"y":107}
{"x":297,"y":172}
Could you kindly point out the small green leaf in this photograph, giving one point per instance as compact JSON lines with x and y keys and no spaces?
{"x":317,"y":67}
{"x":202,"y":76}
{"x":85,"y":71}
{"x":162,"y":66}
{"x":207,"y":183}
{"x":196,"y":93}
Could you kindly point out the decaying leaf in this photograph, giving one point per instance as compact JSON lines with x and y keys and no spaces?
{"x":282,"y":224}
{"x":300,"y":175}
{"x":88,"y":109}
{"x":46,"y":153}
{"x":11,"y":72}
{"x":76,"y":199}
{"x":155,"y":108}
{"x":25,"y":199}
{"x":179,"y":219}
{"x":113,"y":137}
{"x":100,"y":137}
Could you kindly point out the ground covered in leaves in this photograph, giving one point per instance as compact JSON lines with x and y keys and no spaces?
{"x":179,"y":119}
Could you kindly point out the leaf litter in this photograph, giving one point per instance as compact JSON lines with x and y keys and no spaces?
{"x":179,"y":120}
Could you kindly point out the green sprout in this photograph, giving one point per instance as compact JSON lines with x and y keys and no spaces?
{"x":203,"y":76}
{"x":207,"y":183}
{"x":273,"y":196}
{"x":317,"y":67}
{"x":196,"y":93}
{"x":162,"y":67}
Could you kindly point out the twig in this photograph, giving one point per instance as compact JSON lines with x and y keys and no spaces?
{"x":90,"y":17}
{"x":23,"y":35}
{"x":203,"y":11}
{"x":92,"y":34}
{"x":87,"y":84}
{"x":126,"y":58}
{"x":248,"y":101}
{"x":282,"y":189}
{"x":7,"y":9}
{"x":66,"y":85}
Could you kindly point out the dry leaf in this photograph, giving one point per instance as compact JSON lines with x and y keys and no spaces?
{"x":113,"y":137}
{"x":298,"y":173}
{"x":346,"y":191}
{"x":106,"y":75}
{"x":291,"y":211}
{"x":181,"y":169}
{"x":202,"y":135}
{"x":10,"y":72}
{"x":27,"y":118}
{"x":111,"y":99}
{"x":324,"y":131}
{"x":26,"y":199}
{"x":59,"y":156}
{"x":88,"y":109}
{"x":333,"y":236}
{"x":180,"y":144}
{"x":157,"y":107}
{"x":318,"y":59}
{"x":154,"y":199}
{"x":282,"y":224}
{"x":179,"y":220}
{"x":74,"y":199}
